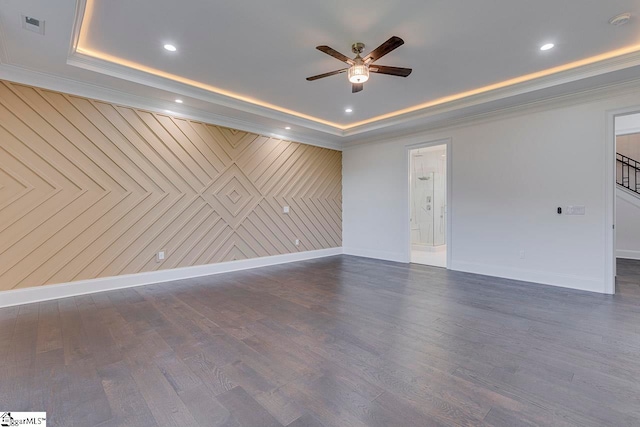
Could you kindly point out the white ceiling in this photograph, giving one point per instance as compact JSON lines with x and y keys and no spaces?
{"x":264,"y":50}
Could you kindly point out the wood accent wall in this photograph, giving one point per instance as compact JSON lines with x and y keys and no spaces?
{"x":90,"y":189}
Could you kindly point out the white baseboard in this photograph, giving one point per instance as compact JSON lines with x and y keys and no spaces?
{"x":383,"y":255}
{"x":82,"y":287}
{"x":583,"y":283}
{"x":627,"y":254}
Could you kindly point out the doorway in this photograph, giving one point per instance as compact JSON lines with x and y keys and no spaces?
{"x":627,"y":196}
{"x":428,"y":204}
{"x":619,"y":181}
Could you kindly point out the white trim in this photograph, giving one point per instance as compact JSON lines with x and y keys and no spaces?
{"x":452,"y":121}
{"x":102,"y":66}
{"x":88,"y":90}
{"x":81,"y":7}
{"x":623,"y":253}
{"x":568,"y":76}
{"x":583,"y":283}
{"x":83,"y":287}
{"x":382,"y":255}
{"x":609,"y":224}
{"x":449,"y":231}
{"x":610,"y":195}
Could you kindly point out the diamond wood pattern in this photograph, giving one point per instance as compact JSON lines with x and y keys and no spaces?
{"x":90,"y":189}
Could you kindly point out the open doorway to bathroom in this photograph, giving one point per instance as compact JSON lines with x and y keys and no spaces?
{"x":428,"y":205}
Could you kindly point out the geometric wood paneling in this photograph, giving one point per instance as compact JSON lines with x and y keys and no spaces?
{"x":90,"y":189}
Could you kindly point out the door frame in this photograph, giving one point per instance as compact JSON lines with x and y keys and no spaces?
{"x":610,"y":196}
{"x":447,"y":142}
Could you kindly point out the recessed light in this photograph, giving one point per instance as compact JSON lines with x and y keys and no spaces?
{"x":288,"y":128}
{"x":170,"y":47}
{"x":179,"y":101}
{"x":348,"y":110}
{"x":547,"y":46}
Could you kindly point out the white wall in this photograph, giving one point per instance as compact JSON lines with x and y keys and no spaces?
{"x":627,"y":225}
{"x":628,"y":124}
{"x":510,"y":174}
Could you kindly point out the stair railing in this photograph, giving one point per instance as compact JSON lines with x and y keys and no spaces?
{"x":628,"y":173}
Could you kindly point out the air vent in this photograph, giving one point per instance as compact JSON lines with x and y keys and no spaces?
{"x":621,"y":19}
{"x":33,"y":24}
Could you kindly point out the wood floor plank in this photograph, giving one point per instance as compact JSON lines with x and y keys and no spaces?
{"x":338,"y":341}
{"x":246,"y":410}
{"x":49,"y":327}
{"x":128,"y":407}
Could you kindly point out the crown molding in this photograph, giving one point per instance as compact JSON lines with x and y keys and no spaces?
{"x":102,"y":66}
{"x":78,"y":18}
{"x":88,"y":90}
{"x":568,"y":76}
{"x":417,"y":135}
{"x":606,"y":66}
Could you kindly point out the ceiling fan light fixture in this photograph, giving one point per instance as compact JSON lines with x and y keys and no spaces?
{"x":358,"y":73}
{"x":359,"y":68}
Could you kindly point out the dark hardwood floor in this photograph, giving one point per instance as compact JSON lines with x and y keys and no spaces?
{"x":340,"y":341}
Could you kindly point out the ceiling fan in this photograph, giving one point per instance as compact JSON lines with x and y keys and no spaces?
{"x":359,"y":68}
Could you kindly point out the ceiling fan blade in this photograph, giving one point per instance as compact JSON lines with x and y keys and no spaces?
{"x":331,"y":73}
{"x":357,"y":87}
{"x":331,"y":52}
{"x":386,"y":47}
{"x":392,"y":71}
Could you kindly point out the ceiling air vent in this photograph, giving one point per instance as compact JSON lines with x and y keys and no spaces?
{"x":621,"y":19}
{"x":33,"y":24}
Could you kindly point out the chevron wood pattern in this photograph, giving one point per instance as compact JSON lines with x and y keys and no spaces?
{"x":90,"y":189}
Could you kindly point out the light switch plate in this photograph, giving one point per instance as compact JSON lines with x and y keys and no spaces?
{"x":575,"y":210}
{"x":285,"y":209}
{"x":160,"y":256}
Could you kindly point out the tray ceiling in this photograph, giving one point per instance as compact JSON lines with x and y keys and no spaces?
{"x":253,"y":58}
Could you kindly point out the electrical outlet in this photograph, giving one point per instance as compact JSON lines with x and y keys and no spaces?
{"x":285,"y":209}
{"x":521,"y":254}
{"x":160,"y":256}
{"x":297,"y":242}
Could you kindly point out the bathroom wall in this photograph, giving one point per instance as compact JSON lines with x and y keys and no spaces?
{"x":428,"y":196}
